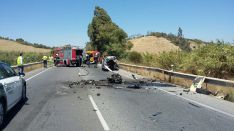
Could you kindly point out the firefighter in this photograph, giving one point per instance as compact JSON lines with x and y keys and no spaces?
{"x":88,"y":60}
{"x":56,"y":60}
{"x":50,"y":60}
{"x":20,"y":64}
{"x":44,"y":58}
{"x":96,"y":57}
{"x":80,"y":60}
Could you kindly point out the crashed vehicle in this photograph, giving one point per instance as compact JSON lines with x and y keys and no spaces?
{"x":109,"y":63}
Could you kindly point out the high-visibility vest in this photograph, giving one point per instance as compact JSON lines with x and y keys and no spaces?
{"x":44,"y":58}
{"x":50,"y":58}
{"x":19,"y":61}
{"x":91,"y":59}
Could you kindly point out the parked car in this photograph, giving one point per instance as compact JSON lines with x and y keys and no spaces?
{"x":111,"y":63}
{"x":12,"y":89}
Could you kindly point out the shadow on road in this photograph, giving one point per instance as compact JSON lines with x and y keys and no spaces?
{"x":12,"y":113}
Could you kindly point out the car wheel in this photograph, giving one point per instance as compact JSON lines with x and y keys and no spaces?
{"x":23,"y":98}
{"x":2,"y":113}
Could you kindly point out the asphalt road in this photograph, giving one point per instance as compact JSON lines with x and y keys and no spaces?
{"x":53,"y":106}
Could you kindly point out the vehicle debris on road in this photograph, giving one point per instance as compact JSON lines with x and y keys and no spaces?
{"x":137,"y":86}
{"x":115,"y":78}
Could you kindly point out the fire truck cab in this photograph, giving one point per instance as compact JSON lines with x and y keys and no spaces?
{"x":68,"y":56}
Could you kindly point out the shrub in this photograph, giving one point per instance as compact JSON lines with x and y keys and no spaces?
{"x":215,"y":60}
{"x":166,"y":59}
{"x":135,"y":57}
{"x":149,"y":59}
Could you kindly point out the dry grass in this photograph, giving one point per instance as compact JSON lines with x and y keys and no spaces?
{"x":152,"y":44}
{"x":6,"y":45}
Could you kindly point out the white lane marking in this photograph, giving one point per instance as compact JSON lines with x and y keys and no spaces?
{"x":190,"y":100}
{"x":206,"y":106}
{"x":37,"y":74}
{"x":102,"y":120}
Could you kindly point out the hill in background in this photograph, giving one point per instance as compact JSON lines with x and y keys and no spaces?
{"x":8,"y":46}
{"x":10,"y":49}
{"x":152,"y":44}
{"x":157,"y":42}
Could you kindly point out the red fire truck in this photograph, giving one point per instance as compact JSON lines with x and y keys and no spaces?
{"x":68,"y":55}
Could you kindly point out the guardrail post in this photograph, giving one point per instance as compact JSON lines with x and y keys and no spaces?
{"x":169,"y":80}
{"x":163,"y":75}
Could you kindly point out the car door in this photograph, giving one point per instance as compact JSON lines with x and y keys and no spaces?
{"x":11,"y":83}
{"x":17,"y":80}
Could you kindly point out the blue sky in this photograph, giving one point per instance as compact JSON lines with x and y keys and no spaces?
{"x":59,"y":22}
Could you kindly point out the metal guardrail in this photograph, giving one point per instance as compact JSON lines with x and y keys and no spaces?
{"x":208,"y":80}
{"x":27,"y":65}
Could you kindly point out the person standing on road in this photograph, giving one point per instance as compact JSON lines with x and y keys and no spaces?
{"x":96,"y":58}
{"x":88,"y":60}
{"x":56,"y":60}
{"x":20,"y":64}
{"x":44,"y":58}
{"x":50,"y":60}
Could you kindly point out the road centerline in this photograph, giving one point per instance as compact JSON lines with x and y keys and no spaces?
{"x":102,"y":120}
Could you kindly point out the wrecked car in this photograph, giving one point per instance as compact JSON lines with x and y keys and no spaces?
{"x":109,"y":63}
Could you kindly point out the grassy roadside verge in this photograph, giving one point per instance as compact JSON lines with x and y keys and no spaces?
{"x":29,"y":57}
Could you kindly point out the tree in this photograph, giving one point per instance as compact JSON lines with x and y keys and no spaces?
{"x":20,"y":40}
{"x":89,"y":46}
{"x":180,"y":33}
{"x":105,"y":35}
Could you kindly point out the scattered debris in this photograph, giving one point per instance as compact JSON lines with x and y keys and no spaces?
{"x":84,"y":83}
{"x":186,"y":90}
{"x":137,"y":86}
{"x":98,"y":87}
{"x":133,"y":76}
{"x":79,"y":98}
{"x":203,"y":91}
{"x":221,"y":95}
{"x":115,"y":78}
{"x":118,"y":87}
{"x":156,"y":114}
